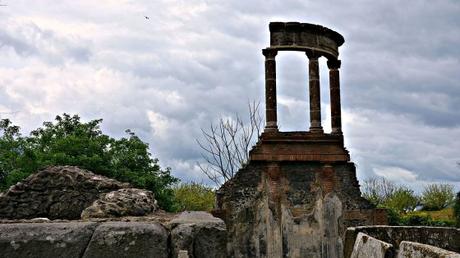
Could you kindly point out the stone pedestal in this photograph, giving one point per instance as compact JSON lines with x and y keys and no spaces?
{"x":289,"y":207}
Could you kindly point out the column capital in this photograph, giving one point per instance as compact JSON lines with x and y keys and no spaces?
{"x":269,"y":53}
{"x":312,"y":54}
{"x":334,"y":63}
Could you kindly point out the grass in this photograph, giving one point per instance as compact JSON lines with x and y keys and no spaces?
{"x":445,"y":214}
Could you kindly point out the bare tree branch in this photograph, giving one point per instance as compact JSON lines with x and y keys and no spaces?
{"x":225,"y":146}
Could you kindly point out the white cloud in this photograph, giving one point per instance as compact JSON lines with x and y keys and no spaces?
{"x":396,"y":174}
{"x":160,"y":124}
{"x":193,"y":61}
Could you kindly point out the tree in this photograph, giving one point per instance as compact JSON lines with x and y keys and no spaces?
{"x":68,"y":141}
{"x":402,"y":199}
{"x":437,"y":196}
{"x":13,"y":151}
{"x":377,"y":190}
{"x":226,"y":145}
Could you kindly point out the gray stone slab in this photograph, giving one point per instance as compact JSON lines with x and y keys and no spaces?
{"x":44,"y":239}
{"x":128,"y":239}
{"x":367,"y":246}
{"x":200,"y":234}
{"x":409,"y":249}
{"x":195,"y":217}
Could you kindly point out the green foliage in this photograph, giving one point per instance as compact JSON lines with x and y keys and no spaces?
{"x":437,"y":196}
{"x":194,"y":197}
{"x":416,"y":219}
{"x":423,"y":220}
{"x":68,"y":141}
{"x":402,"y":199}
{"x":457,"y":210}
{"x":394,"y":217}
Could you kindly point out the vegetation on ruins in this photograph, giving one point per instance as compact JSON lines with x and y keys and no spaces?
{"x":400,"y":201}
{"x":193,"y":197}
{"x":69,"y":141}
{"x":457,"y":210}
{"x":225,"y":145}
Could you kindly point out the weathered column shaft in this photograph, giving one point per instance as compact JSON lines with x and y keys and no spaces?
{"x":270,"y":90}
{"x":315,"y":97}
{"x":334,"y":84}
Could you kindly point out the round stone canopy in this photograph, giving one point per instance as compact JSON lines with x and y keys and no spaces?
{"x":296,"y":36}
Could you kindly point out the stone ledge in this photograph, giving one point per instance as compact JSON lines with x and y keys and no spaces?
{"x":205,"y":237}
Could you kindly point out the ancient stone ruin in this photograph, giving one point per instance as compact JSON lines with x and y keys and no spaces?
{"x":299,"y":191}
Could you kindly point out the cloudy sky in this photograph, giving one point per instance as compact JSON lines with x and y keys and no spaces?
{"x":194,"y":61}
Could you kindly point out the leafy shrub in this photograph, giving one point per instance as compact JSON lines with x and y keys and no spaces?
{"x":394,"y":217}
{"x":437,"y":196}
{"x":457,"y":210}
{"x":401,"y":199}
{"x":194,"y":197}
{"x":68,"y":141}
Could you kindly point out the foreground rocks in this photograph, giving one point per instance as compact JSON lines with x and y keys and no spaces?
{"x":192,"y":234}
{"x":45,"y":240}
{"x":63,"y":192}
{"x":198,"y":233}
{"x":402,"y":242}
{"x":55,"y":192}
{"x":123,"y":202}
{"x":128,"y":239}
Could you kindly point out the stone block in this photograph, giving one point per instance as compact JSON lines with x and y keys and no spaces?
{"x":367,"y":246}
{"x":45,"y":239}
{"x":198,"y":233}
{"x":409,"y":249}
{"x":128,"y":239}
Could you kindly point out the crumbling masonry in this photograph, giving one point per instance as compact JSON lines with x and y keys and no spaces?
{"x":299,"y":191}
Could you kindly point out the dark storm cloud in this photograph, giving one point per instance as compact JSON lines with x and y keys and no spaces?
{"x":195,"y":61}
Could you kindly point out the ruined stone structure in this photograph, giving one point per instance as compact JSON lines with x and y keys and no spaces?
{"x":299,"y":191}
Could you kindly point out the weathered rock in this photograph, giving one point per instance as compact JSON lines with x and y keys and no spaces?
{"x":367,"y":246}
{"x":442,"y":237}
{"x":45,"y":239}
{"x":200,"y":234}
{"x":416,"y":250}
{"x":59,"y":192}
{"x":128,"y":239}
{"x":123,"y":202}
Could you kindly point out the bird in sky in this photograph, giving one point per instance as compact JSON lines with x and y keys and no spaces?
{"x":147,"y":18}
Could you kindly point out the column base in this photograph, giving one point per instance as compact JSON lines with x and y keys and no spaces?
{"x":271,"y":129}
{"x":316,"y":130}
{"x":336,"y":131}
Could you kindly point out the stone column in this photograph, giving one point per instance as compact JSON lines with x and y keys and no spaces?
{"x":334,"y":84}
{"x":270,"y":90}
{"x":315,"y":97}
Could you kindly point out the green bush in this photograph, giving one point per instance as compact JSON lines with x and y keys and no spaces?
{"x":457,"y":210}
{"x":437,"y":196}
{"x":394,"y":217}
{"x":68,"y":141}
{"x":418,"y":220}
{"x":194,"y":197}
{"x":401,"y":199}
